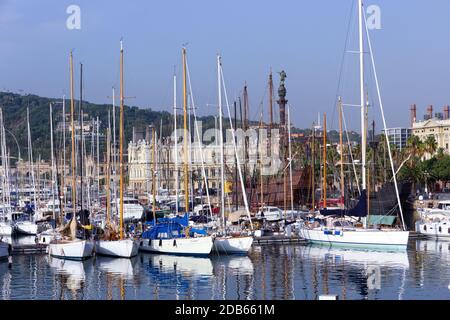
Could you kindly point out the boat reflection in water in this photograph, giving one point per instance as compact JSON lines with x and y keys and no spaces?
{"x":233,"y":277}
{"x":177,"y":277}
{"x":234,"y":264}
{"x":394,"y":259}
{"x":355,"y":273}
{"x":432,"y":257}
{"x":117,"y":266}
{"x":72,"y":274}
{"x":438,"y":248}
{"x":187,"y":266}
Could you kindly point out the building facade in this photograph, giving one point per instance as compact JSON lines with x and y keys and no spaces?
{"x":398,"y":136}
{"x":251,"y":155}
{"x":436,"y":127}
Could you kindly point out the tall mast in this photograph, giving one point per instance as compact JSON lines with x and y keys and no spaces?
{"x":53,"y":161}
{"x":81,"y":136}
{"x":176,"y":138}
{"x":324,"y":191}
{"x":185,"y":140}
{"x":270,"y":101}
{"x":290,"y":157}
{"x":121,"y":142}
{"x":236,"y":205}
{"x":108,"y":174}
{"x":245,"y":127}
{"x":114,"y":152}
{"x":30,"y":159}
{"x":72,"y":116}
{"x":98,"y":160}
{"x":341,"y":147}
{"x":222,"y":178}
{"x":361,"y":83}
{"x":260,"y":161}
{"x":313,"y":171}
{"x":153,"y":173}
{"x":63,"y":184}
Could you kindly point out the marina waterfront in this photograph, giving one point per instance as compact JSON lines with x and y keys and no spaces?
{"x":269,"y":272}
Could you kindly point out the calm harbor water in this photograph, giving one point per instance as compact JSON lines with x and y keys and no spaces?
{"x":279,"y":271}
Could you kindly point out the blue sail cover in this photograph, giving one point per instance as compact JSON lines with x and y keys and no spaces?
{"x":360,"y":210}
{"x":171,"y":228}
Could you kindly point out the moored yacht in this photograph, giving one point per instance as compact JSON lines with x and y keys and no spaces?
{"x":435,"y":223}
{"x":174,"y":236}
{"x":233,"y":244}
{"x":125,"y":248}
{"x":26,"y":227}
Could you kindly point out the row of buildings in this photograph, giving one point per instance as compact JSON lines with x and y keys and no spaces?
{"x":436,"y":125}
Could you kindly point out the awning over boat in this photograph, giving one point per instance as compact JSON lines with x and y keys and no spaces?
{"x":381,"y":220}
{"x":360,"y":210}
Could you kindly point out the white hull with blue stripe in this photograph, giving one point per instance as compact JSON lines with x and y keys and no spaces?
{"x":200,"y":246}
{"x":359,"y":237}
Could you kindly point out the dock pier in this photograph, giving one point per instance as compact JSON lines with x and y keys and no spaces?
{"x":278,"y":239}
{"x":29,"y":249}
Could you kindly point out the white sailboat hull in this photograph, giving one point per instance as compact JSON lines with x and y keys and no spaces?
{"x":26,"y":227}
{"x":357,"y":237}
{"x":71,"y":250}
{"x":183,"y":246}
{"x":233,"y":244}
{"x":120,"y":248}
{"x":5,"y":229}
{"x":3,"y":250}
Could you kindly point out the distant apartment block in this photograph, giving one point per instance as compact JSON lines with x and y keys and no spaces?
{"x":398,"y":136}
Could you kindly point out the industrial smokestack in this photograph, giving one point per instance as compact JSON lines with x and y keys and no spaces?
{"x":147,"y":134}
{"x":413,"y":114}
{"x":430,"y":111}
{"x":446,"y":112}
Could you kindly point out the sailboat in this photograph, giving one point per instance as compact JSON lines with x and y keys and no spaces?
{"x":173,"y":235}
{"x":121,"y":247}
{"x":225,"y":242}
{"x":29,"y":227}
{"x":339,"y":231}
{"x":71,"y":248}
{"x":6,"y":229}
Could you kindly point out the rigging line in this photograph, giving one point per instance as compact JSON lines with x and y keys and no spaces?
{"x":384,"y":121}
{"x":341,"y":68}
{"x":198,"y":138}
{"x":244,"y":195}
{"x":350,"y":150}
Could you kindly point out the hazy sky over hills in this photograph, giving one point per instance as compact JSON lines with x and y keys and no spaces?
{"x":305,"y":38}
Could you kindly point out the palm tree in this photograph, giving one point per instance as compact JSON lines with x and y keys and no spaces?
{"x":430,"y":145}
{"x":440,"y":154}
{"x":416,"y":148}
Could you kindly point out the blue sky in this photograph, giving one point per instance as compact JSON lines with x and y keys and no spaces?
{"x":305,"y":38}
